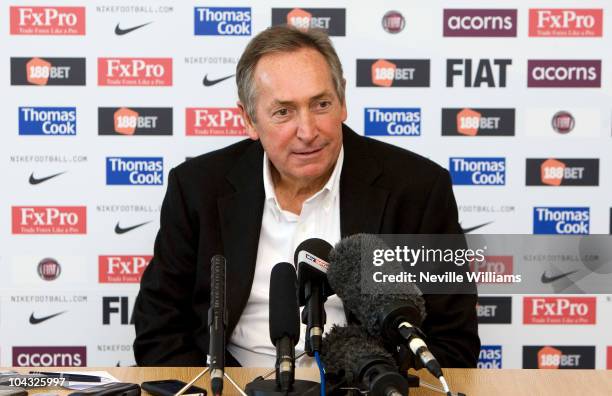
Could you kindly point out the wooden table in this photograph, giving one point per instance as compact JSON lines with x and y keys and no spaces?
{"x":469,"y":381}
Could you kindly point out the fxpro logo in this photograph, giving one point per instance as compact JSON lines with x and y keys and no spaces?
{"x":49,"y":356}
{"x":565,"y":22}
{"x":146,"y":72}
{"x":121,"y":268}
{"x":490,"y":357}
{"x":479,"y":23}
{"x":477,"y":122}
{"x":500,"y":265}
{"x":562,"y":172}
{"x":47,"y":71}
{"x":209,"y":121}
{"x":154,"y":121}
{"x":560,"y":310}
{"x":558,"y":357}
{"x":478,"y":171}
{"x":392,"y":121}
{"x":548,"y":220}
{"x":47,"y":121}
{"x":47,"y":20}
{"x":564,"y":73}
{"x":222,"y":21}
{"x":393,"y":72}
{"x":494,"y":310}
{"x":489,"y":72}
{"x":332,"y":20}
{"x":142,"y":171}
{"x":49,"y":219}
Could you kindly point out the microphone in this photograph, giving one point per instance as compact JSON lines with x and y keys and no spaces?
{"x":284,"y":322}
{"x":217,"y":321}
{"x":350,"y":352}
{"x":394,"y":317}
{"x":311,"y":261}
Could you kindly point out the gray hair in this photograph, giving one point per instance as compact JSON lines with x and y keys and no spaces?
{"x":277,"y":39}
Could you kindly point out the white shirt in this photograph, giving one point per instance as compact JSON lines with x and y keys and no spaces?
{"x":281,"y":233}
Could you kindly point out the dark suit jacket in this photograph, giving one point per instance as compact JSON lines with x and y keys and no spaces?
{"x":214,"y":205}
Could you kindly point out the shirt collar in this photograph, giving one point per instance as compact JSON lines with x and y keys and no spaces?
{"x":331,"y":188}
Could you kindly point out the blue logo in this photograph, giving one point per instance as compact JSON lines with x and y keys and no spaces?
{"x":561,"y":220}
{"x":392,"y":121}
{"x":478,"y":171}
{"x":141,"y":171}
{"x":222,"y":21}
{"x":490,"y":357}
{"x":47,"y":121}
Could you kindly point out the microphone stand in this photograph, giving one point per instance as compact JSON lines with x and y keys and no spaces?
{"x":197,"y":377}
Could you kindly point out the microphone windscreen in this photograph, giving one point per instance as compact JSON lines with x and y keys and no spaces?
{"x":284,"y":309}
{"x":344,"y":275}
{"x":345,"y":349}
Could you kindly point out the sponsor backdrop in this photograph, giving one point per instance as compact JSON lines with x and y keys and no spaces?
{"x":102,"y":98}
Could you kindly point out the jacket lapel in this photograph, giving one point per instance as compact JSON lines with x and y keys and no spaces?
{"x":240,"y":215}
{"x":361,"y":203}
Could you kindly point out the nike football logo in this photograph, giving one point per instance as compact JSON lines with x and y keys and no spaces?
{"x":470,"y":229}
{"x":210,"y":83}
{"x":549,"y":279}
{"x":120,"y":230}
{"x":34,"y":320}
{"x":34,"y":180}
{"x":121,"y":32}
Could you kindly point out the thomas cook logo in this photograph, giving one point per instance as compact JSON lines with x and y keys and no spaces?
{"x":143,"y":171}
{"x":392,"y":121}
{"x":547,"y":220}
{"x":478,"y":171}
{"x":222,"y":21}
{"x":47,"y":121}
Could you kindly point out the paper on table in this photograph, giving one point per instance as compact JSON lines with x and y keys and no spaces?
{"x":104,"y":375}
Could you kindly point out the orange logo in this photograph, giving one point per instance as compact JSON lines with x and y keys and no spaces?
{"x":38,"y":71}
{"x":383,"y":73}
{"x":299,"y":18}
{"x":549,"y":358}
{"x":125,"y":121}
{"x":551,"y":172}
{"x":468,"y":122}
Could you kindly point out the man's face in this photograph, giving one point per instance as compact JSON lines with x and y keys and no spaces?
{"x":299,"y":116}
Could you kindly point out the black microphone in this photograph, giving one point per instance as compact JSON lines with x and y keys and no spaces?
{"x":311,"y":261}
{"x":217,"y":321}
{"x":362,"y":360}
{"x":284,"y":322}
{"x":393,"y":317}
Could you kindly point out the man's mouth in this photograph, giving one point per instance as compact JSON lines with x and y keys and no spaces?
{"x":305,"y":153}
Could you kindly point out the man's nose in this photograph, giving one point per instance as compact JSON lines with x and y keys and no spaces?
{"x":307,"y":128}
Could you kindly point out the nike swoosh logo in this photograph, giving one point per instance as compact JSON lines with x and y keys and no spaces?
{"x":34,"y":180}
{"x":470,"y":229}
{"x":34,"y":320}
{"x":210,"y":83}
{"x":549,"y":279}
{"x":120,"y":230}
{"x":121,"y":32}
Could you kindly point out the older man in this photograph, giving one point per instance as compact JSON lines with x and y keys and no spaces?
{"x":302,"y":174}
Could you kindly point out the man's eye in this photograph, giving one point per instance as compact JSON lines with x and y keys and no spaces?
{"x":281,"y":112}
{"x":324,"y":104}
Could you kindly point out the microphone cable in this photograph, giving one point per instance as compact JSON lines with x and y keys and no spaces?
{"x":321,"y":371}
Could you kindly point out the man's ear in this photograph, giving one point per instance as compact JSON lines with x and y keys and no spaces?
{"x":249,"y":125}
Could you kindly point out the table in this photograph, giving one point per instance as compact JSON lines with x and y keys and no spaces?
{"x":472,"y":382}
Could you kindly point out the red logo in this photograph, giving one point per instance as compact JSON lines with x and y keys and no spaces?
{"x":214,"y":122}
{"x":468,"y":122}
{"x":560,"y":22}
{"x":121,"y":269}
{"x":551,"y":172}
{"x":609,"y":361}
{"x":146,"y":72}
{"x":299,"y":18}
{"x":125,"y":121}
{"x":559,"y":310}
{"x":498,"y":265}
{"x":48,"y":20}
{"x":49,"y":269}
{"x":549,"y":358}
{"x":49,"y":219}
{"x":383,"y":73}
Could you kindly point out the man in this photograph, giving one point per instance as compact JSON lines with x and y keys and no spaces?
{"x":302,"y":174}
